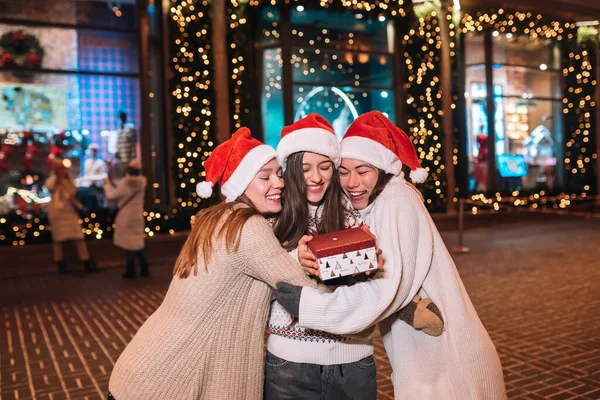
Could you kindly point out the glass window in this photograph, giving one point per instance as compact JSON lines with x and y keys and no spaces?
{"x":107,"y":14}
{"x":340,"y":105}
{"x":269,"y":26}
{"x":83,"y":49}
{"x":527,"y":82}
{"x":272,"y":96}
{"x":521,"y":51}
{"x":63,"y":114}
{"x":101,"y":51}
{"x":341,"y":31}
{"x":342,"y":66}
{"x":528,"y":120}
{"x":476,"y":49}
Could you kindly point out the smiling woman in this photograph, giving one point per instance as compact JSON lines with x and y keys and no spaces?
{"x":265,"y":190}
{"x":309,"y":152}
{"x":216,"y":308}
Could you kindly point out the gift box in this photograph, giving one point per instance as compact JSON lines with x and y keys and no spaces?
{"x":343,"y":253}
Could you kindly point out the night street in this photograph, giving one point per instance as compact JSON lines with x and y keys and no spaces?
{"x":534,"y":285}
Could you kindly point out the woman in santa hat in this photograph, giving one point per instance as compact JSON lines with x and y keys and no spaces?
{"x":307,"y":363}
{"x":461,"y":363}
{"x":206,"y":339}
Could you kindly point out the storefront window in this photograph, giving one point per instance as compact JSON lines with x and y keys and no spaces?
{"x":527,"y":121}
{"x":81,"y":104}
{"x":342,"y":66}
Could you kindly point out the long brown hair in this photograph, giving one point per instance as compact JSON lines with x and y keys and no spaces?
{"x":292,"y":223}
{"x":207,"y":229}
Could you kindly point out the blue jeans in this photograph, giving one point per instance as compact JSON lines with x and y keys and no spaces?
{"x":288,"y":380}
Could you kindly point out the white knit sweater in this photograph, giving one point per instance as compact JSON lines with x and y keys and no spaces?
{"x":460,"y":364}
{"x":290,"y":341}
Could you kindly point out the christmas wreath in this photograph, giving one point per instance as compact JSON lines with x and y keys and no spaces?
{"x":21,"y":50}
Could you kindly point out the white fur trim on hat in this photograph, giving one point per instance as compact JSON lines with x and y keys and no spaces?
{"x":418,"y":175}
{"x":204,"y":189}
{"x":247,"y":169}
{"x":371,"y":152}
{"x":314,"y":140}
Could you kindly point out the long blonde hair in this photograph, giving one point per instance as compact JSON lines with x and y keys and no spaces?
{"x":206,"y":232}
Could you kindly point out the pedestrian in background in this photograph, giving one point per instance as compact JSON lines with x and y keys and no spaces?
{"x":63,"y":213}
{"x":129,"y":223}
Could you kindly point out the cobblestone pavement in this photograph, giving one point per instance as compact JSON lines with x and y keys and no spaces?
{"x":536,"y":287}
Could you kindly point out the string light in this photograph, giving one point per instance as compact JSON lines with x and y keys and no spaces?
{"x":191,"y":58}
{"x":424,"y":100}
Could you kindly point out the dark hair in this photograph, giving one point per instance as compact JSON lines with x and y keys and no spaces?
{"x":133,"y":171}
{"x":292,"y":222}
{"x":383,"y":179}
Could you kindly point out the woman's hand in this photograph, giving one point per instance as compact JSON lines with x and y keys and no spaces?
{"x":306,"y":258}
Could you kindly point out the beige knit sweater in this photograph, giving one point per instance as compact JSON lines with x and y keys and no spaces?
{"x":206,"y":339}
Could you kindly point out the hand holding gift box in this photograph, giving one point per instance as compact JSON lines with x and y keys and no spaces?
{"x":348,"y":252}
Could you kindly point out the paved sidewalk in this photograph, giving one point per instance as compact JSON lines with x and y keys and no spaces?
{"x":536,"y":287}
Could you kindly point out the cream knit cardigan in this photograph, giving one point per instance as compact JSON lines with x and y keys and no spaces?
{"x":206,"y":340}
{"x":462,"y":363}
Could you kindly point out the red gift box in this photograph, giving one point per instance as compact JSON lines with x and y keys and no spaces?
{"x":344,"y":253}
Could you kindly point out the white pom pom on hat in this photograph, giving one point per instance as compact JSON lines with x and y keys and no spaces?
{"x":418,"y":175}
{"x":204,"y":189}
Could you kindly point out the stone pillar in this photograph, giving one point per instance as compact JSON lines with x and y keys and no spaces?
{"x":448,"y":126}
{"x":221,"y":71}
{"x":144,"y":132}
{"x":597,"y":100}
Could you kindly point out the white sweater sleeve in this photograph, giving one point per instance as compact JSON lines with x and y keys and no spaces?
{"x":404,"y":234}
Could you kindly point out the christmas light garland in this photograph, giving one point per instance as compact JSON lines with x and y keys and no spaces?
{"x":422,"y":54}
{"x":193,"y":94}
{"x":579,"y":108}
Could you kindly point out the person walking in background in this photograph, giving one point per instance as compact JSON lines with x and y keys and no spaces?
{"x":64,"y":219}
{"x":129,"y":223}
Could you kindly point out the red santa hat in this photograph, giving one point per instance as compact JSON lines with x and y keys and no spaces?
{"x":312,"y":133}
{"x":374,"y":139}
{"x":233,"y":164}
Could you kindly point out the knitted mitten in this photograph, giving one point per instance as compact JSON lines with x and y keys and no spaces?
{"x":288,"y":296}
{"x":423,"y":314}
